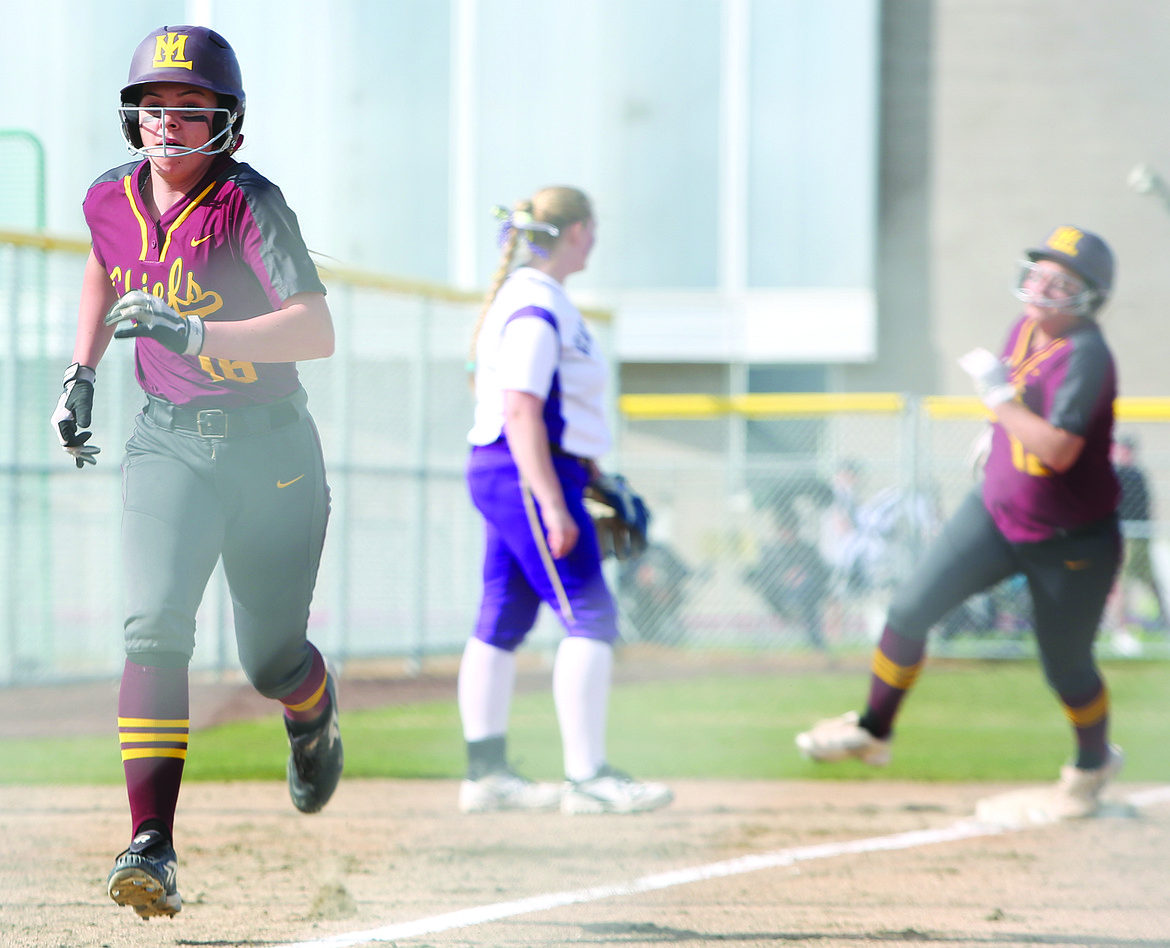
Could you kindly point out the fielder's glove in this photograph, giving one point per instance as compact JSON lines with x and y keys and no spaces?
{"x":74,"y":411}
{"x":150,"y":316}
{"x":619,"y":516}
{"x":993,"y":385}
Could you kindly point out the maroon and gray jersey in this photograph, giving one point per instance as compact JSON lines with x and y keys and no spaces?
{"x":230,"y":251}
{"x":1072,"y":382}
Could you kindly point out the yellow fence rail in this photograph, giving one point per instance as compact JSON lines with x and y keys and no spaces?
{"x":812,"y":404}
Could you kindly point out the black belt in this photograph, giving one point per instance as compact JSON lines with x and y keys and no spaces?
{"x":1106,"y":524}
{"x":219,"y":423}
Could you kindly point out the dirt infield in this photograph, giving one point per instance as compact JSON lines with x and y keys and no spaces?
{"x":822,"y":864}
{"x":253,"y":872}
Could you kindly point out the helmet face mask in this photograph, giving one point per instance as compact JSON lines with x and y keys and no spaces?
{"x":193,"y":56}
{"x":221,"y":125}
{"x":1050,"y":288}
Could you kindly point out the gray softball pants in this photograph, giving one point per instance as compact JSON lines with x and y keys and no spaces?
{"x":1069,"y":577}
{"x":259,"y":501}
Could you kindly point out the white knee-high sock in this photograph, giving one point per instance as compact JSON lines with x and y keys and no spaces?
{"x":487,"y":677}
{"x":582,"y":673}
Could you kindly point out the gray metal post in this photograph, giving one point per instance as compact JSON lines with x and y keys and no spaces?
{"x":420,"y":387}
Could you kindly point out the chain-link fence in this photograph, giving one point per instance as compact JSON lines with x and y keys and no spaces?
{"x":400,"y":574}
{"x":780,"y":521}
{"x":786,"y":521}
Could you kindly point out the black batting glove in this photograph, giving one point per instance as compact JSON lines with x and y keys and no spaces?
{"x":75,"y":411}
{"x":149,"y":316}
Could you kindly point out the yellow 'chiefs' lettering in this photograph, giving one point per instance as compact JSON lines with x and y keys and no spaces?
{"x":194,"y":299}
{"x":181,"y":290}
{"x":1028,"y":463}
{"x":170,"y":51}
{"x":127,"y":282}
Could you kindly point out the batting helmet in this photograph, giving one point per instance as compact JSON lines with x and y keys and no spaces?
{"x":1086,"y":254}
{"x":195,"y":56}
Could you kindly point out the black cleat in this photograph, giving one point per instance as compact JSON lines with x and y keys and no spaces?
{"x":316,"y":758}
{"x":145,"y":876}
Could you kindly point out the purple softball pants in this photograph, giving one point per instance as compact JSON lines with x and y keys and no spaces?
{"x":516,"y":576}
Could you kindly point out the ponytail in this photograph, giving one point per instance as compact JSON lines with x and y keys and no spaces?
{"x":507,"y":252}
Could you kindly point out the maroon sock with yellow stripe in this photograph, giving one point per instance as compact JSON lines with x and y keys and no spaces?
{"x":897,"y":660}
{"x":1089,"y":714}
{"x":310,"y":700}
{"x":153,"y":724}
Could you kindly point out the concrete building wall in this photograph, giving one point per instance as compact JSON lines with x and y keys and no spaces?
{"x":907,"y":352}
{"x":999,"y":120}
{"x":1040,"y":109}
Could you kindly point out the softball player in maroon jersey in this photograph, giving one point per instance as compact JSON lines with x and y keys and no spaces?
{"x":539,"y":428}
{"x":1046,"y":508}
{"x":199,"y":260}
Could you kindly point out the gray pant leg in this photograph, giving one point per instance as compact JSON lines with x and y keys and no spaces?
{"x":172,"y":529}
{"x":970,"y":555}
{"x":1070,"y":579}
{"x":275,"y":531}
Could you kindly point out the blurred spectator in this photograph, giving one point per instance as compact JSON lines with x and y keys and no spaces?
{"x":792,"y":577}
{"x":870,"y":544}
{"x":838,"y":545}
{"x":651,"y":588}
{"x":1134,"y":512}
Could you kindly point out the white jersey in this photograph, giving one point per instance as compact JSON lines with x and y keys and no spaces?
{"x":535,"y":340}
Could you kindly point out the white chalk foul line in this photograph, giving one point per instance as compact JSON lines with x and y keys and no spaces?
{"x":465,"y":918}
{"x":664,"y":880}
{"x":1150,"y":797}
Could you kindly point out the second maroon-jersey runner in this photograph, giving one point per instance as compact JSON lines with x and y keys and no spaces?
{"x":1046,"y":509}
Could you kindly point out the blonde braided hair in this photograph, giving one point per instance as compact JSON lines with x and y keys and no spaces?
{"x":559,"y":206}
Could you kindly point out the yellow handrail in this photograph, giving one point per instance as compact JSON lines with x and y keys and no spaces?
{"x":329,"y":270}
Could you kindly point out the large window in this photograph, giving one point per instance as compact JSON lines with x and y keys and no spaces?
{"x":729,"y":145}
{"x":813,"y":165}
{"x":659,"y":107}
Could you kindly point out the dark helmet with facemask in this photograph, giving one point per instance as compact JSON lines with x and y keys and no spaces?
{"x":194,"y":56}
{"x":1086,"y":255}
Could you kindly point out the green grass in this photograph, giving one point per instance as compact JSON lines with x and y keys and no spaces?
{"x":965,"y":721}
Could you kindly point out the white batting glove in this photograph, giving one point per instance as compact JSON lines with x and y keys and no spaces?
{"x":993,"y":385}
{"x":150,"y":316}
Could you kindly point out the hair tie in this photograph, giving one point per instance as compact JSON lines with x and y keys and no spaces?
{"x":524,"y":222}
